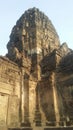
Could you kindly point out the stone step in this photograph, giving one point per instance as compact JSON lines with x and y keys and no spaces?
{"x":42,"y":128}
{"x":26,"y":128}
{"x":21,"y":128}
{"x":59,"y":128}
{"x":38,"y":128}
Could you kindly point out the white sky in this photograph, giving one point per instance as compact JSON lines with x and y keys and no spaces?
{"x":60,"y":12}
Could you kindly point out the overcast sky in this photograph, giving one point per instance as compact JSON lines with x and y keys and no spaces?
{"x":60,"y":12}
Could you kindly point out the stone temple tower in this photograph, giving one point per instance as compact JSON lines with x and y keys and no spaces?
{"x":36,"y":77}
{"x":33,"y":36}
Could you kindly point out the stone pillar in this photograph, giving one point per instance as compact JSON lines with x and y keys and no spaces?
{"x":56,"y":109}
{"x":22,"y":96}
{"x":22,"y":79}
{"x":37,"y":111}
{"x":26,"y":102}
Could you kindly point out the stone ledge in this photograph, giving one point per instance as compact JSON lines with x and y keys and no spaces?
{"x":59,"y":128}
{"x":21,"y":128}
{"x":42,"y":128}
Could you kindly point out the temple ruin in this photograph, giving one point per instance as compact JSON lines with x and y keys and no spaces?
{"x":36,"y":77}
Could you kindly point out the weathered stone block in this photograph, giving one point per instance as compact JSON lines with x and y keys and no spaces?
{"x":13,"y":111}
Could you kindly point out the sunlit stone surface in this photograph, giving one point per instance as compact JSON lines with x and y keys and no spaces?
{"x":36,"y":77}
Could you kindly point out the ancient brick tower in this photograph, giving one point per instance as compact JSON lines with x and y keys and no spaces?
{"x":32,"y":76}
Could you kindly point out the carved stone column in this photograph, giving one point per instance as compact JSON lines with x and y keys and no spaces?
{"x":56,"y":109}
{"x":37,"y":111}
{"x":26,"y":102}
{"x":22,"y":96}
